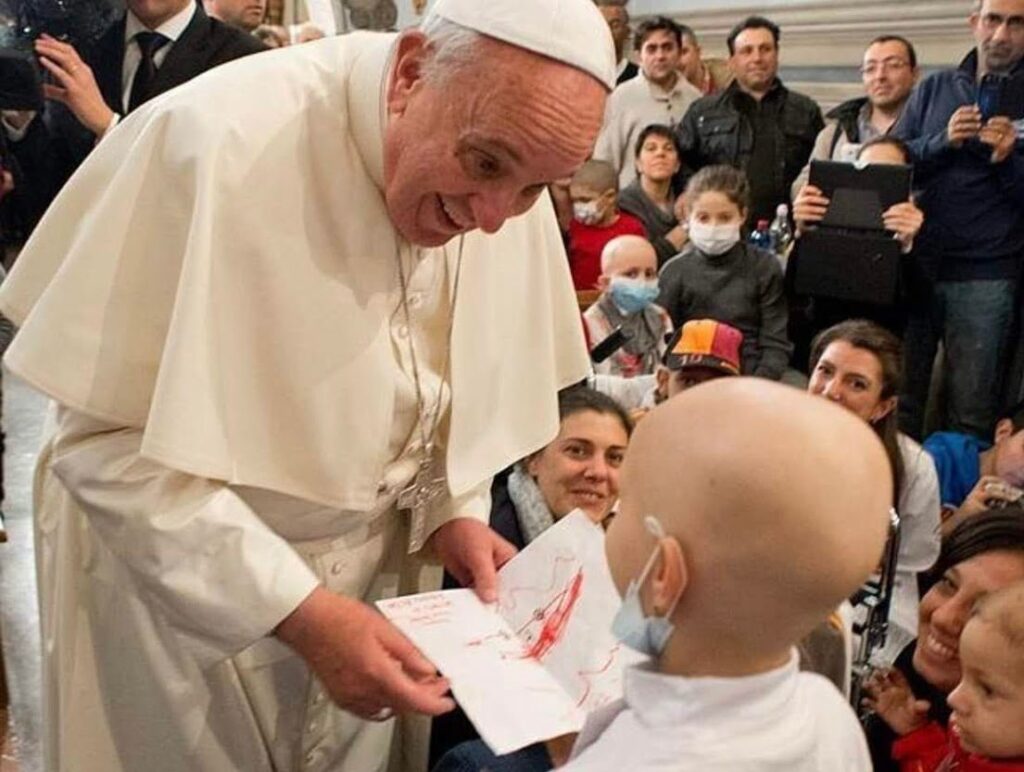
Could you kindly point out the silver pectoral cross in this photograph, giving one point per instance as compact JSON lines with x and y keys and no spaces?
{"x":427,"y":487}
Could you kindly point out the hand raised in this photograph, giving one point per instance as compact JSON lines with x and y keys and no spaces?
{"x":76,"y":86}
{"x":889,"y":695}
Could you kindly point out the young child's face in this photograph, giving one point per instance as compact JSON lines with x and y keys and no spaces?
{"x":988,"y":704}
{"x":634,"y":264}
{"x":590,"y":206}
{"x":714,"y":208}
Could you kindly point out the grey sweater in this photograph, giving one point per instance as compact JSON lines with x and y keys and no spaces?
{"x":743,"y":288}
{"x":657,"y":221}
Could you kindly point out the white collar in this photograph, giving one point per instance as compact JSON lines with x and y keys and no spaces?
{"x":621,"y":66}
{"x":658,"y":92}
{"x":172,"y":28}
{"x":366,"y":104}
{"x":665,"y":700}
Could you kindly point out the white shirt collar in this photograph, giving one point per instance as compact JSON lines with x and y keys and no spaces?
{"x":621,"y":66}
{"x":172,"y":28}
{"x":663,"y":700}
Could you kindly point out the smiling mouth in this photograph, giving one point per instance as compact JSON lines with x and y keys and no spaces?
{"x":588,"y":497}
{"x":450,"y":216}
{"x":938,"y":650}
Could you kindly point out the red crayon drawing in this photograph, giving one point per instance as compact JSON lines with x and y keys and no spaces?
{"x":553,"y":619}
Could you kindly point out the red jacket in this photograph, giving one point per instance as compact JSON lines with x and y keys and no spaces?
{"x":926,"y":749}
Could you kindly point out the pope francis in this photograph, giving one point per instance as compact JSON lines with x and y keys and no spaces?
{"x":293,"y":316}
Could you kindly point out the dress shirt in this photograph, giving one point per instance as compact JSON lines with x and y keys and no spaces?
{"x":171,"y":29}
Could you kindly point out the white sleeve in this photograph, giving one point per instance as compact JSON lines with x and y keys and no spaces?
{"x":201,"y":557}
{"x":919,"y":509}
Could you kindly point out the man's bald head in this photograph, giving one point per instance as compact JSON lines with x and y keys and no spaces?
{"x":627,"y":252}
{"x":778,"y":502}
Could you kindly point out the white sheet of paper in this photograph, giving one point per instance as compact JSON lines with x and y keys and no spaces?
{"x":533,"y":665}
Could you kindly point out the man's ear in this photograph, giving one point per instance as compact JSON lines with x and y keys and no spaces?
{"x":411,"y":53}
{"x":669,"y":578}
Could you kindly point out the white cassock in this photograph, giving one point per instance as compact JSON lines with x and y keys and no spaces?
{"x":779,"y":721}
{"x":213,"y":302}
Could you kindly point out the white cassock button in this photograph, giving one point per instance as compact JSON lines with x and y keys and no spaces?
{"x":312,"y":757}
{"x":402,"y":331}
{"x":415,"y":300}
{"x":382,"y":488}
{"x":318,"y":698}
{"x":337,"y":567}
{"x":313,"y":726}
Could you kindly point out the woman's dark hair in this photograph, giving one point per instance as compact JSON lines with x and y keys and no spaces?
{"x":887,"y":139}
{"x":580,"y":399}
{"x":730,"y":182}
{"x":655,"y":130}
{"x":989,"y":531}
{"x":888,"y":350}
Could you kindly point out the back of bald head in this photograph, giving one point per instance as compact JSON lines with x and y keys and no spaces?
{"x":779,"y":500}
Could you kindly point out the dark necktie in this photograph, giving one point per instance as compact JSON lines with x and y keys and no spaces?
{"x":149,"y":43}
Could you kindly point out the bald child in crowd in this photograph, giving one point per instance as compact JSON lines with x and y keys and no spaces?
{"x":629,"y":287}
{"x":738,"y":531}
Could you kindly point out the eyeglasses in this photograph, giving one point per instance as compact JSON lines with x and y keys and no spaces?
{"x":993,"y":21}
{"x":892,"y":64}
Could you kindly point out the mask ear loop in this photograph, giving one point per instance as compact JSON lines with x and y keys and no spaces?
{"x":657,"y":530}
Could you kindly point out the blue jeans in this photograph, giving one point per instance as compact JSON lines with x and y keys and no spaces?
{"x":474,"y":756}
{"x":973,"y":320}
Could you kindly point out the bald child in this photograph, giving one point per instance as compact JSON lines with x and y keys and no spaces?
{"x":629,"y":287}
{"x":739,"y":530}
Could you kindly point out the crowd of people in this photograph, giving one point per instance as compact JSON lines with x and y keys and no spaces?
{"x":743,"y":518}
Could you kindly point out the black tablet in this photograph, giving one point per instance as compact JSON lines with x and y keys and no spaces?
{"x":860,"y":193}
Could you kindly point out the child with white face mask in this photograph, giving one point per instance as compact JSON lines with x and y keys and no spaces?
{"x":719,"y":276}
{"x":724,"y":564}
{"x":596,"y":220}
{"x":629,"y":287}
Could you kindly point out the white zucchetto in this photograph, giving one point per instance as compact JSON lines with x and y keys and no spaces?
{"x":570,"y":31}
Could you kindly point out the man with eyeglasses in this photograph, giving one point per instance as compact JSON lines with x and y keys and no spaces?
{"x":962,"y":126}
{"x":889,"y":72}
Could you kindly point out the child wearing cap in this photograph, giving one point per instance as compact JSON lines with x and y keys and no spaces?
{"x":986,"y":727}
{"x":596,"y":220}
{"x":699,"y":351}
{"x":629,"y":285}
{"x":721,"y":583}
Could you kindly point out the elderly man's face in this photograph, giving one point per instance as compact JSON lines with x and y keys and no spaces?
{"x":998,"y":28}
{"x":482,"y":145}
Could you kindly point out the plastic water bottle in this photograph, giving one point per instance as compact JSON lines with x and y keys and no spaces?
{"x":761,"y":236}
{"x":781,"y":232}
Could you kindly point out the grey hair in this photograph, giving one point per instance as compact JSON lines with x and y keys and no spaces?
{"x":453,"y":48}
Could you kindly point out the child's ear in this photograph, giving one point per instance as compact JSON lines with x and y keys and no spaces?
{"x":1004,"y":430}
{"x":603,"y":282}
{"x":669,"y":578}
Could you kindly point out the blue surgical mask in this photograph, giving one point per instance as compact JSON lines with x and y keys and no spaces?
{"x":633,"y":295}
{"x":648,"y":635}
